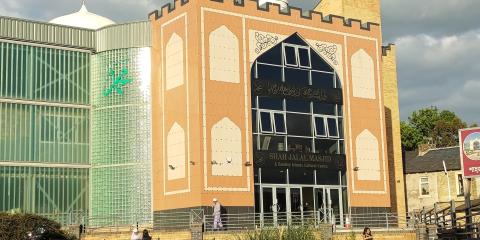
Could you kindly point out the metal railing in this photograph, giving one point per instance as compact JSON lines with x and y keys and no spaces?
{"x":170,"y":221}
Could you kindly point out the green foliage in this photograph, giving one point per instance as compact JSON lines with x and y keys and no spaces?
{"x":411,"y":136}
{"x":18,"y":226}
{"x":351,"y":236}
{"x":298,"y":233}
{"x":430,"y":125}
{"x":288,"y":233}
{"x":263,"y":234}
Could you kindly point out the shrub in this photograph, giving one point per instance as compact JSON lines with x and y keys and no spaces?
{"x":288,"y":233}
{"x":19,"y":226}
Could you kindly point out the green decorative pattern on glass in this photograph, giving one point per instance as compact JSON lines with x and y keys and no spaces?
{"x":45,"y":123}
{"x":118,"y":81}
{"x":44,"y":74}
{"x":58,"y":193}
{"x":45,"y":134}
{"x":121,"y":139}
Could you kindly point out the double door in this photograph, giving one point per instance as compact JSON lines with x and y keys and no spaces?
{"x":328,"y":204}
{"x":293,"y":204}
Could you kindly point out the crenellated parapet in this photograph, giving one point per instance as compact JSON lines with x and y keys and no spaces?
{"x":387,"y":49}
{"x":291,"y":14}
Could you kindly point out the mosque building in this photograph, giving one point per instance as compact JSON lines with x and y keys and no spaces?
{"x":269,"y":109}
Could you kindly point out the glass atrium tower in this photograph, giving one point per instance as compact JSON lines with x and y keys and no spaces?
{"x":75,"y":119}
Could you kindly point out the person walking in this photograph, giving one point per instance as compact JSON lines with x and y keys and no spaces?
{"x":217,"y":212}
{"x":135,"y":235}
{"x":146,"y":236}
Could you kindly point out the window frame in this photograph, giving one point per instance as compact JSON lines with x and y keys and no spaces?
{"x":285,"y":62}
{"x":259,"y":117}
{"x":297,"y":56}
{"x":325,"y":128}
{"x":420,"y":186}
{"x":328,"y":126}
{"x":272,"y":122}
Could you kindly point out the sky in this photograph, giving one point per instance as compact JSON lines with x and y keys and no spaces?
{"x":438,"y":44}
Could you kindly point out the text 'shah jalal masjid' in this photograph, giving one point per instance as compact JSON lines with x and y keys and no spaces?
{"x":252,"y":103}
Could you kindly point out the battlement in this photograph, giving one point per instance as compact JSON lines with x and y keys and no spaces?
{"x":387,"y":49}
{"x":273,"y":8}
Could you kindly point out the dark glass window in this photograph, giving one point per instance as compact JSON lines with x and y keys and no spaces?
{"x":326,"y":146}
{"x":299,"y":124}
{"x":322,"y":80}
{"x":304,"y":57}
{"x":319,"y":64}
{"x":290,"y":56}
{"x":274,"y":175}
{"x":323,"y":108}
{"x":320,"y":127}
{"x":272,"y":56}
{"x":295,"y":76}
{"x":332,"y":127}
{"x":298,"y":106}
{"x":327,"y":177}
{"x":267,"y":72}
{"x":270,"y":103}
{"x":254,"y":121}
{"x":340,"y":110}
{"x":340,"y":127}
{"x":279,"y":119}
{"x":296,"y":144}
{"x":301,"y":176}
{"x":272,"y":143}
{"x":339,"y":84}
{"x":265,"y":122}
{"x":341,"y":147}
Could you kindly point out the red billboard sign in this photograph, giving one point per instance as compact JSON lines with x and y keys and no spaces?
{"x":470,"y":151}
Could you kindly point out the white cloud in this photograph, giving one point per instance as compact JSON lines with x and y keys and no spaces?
{"x":439,"y":71}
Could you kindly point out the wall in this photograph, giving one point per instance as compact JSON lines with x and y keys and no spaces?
{"x":391,"y":235}
{"x":203,"y":97}
{"x":438,"y":189}
{"x":121,"y":141}
{"x":364,"y":10}
{"x":392,"y":121}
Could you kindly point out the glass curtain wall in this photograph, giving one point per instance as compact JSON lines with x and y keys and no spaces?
{"x":296,"y":123}
{"x":44,"y":130}
{"x":289,"y":124}
{"x":121,"y":137}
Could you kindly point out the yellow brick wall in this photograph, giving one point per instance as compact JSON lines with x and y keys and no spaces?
{"x":392,"y":235}
{"x":364,"y":10}
{"x":392,"y":118}
{"x":127,"y":236}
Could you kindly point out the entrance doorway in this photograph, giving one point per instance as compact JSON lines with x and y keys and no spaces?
{"x":281,"y":204}
{"x":328,"y":202}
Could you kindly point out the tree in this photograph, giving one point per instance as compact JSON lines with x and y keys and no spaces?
{"x":430,"y":125}
{"x":30,"y":226}
{"x":411,"y":136}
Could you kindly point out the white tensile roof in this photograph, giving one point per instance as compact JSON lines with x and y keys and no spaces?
{"x":83,"y":19}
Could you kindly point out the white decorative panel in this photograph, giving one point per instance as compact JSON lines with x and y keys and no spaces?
{"x":330,"y":52}
{"x":176,"y":152}
{"x":368,"y":156}
{"x":174,"y":64}
{"x":226,"y":149}
{"x":224,"y":56}
{"x":363,"y":76}
{"x":260,"y":42}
